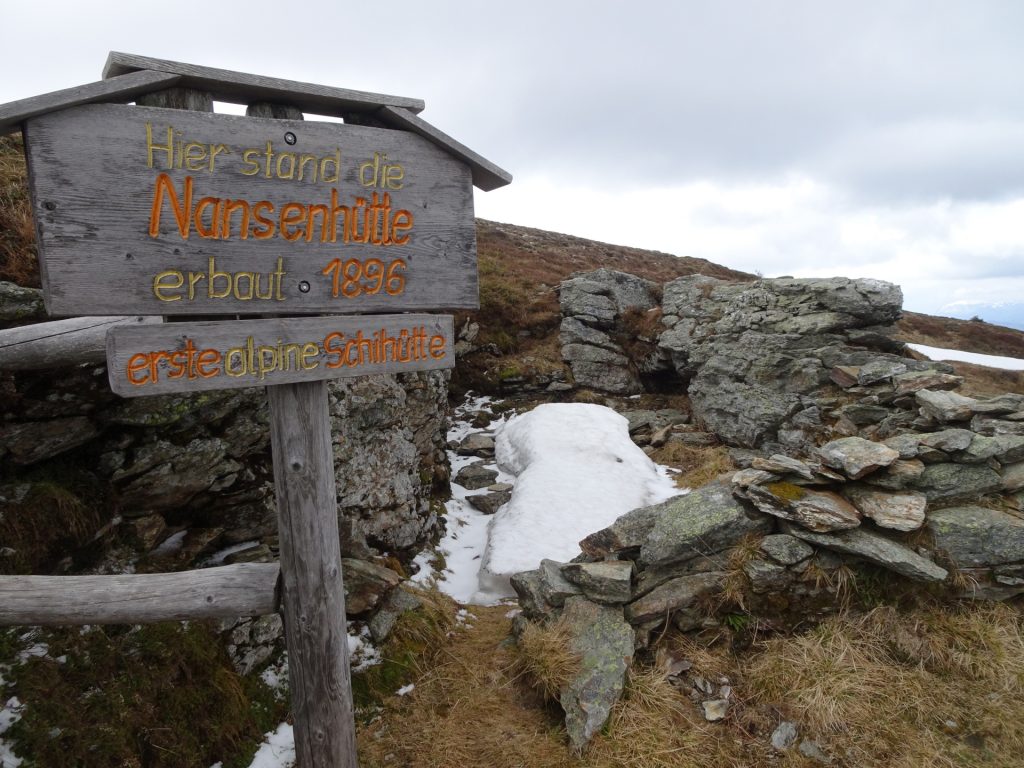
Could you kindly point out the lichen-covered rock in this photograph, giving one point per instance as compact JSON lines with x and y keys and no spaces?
{"x":627,"y":533}
{"x":945,"y":407}
{"x":785,"y":549}
{"x":604,"y":642}
{"x":978,"y":536}
{"x":33,"y":441}
{"x":707,"y":520}
{"x":766,"y":576}
{"x":527,"y":586}
{"x":366,"y":584}
{"x":681,"y":592}
{"x":950,"y":482}
{"x":1003,"y":448}
{"x":591,"y":305}
{"x":820,"y":511}
{"x":20,"y":305}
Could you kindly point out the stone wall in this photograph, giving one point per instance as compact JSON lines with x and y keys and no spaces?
{"x":852,"y":457}
{"x":199,"y":466}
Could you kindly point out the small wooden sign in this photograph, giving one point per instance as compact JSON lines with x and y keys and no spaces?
{"x":188,"y":357}
{"x":171,"y":212}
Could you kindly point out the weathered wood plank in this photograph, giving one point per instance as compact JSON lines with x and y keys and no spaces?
{"x":178,"y":98}
{"x":247,"y":589}
{"x":232,"y":354}
{"x":60,"y":343}
{"x":312,"y":591}
{"x":244,"y":88}
{"x":274,"y":111}
{"x":117,"y":237}
{"x":486,"y":175}
{"x":120,"y":88}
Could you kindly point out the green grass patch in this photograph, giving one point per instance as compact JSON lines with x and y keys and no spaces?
{"x":158,"y":696}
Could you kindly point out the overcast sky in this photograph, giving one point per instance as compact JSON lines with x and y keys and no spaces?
{"x":865,"y":138}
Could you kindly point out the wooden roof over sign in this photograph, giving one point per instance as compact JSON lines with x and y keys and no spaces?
{"x":127,"y":76}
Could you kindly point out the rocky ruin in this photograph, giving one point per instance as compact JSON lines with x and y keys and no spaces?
{"x":851,"y":453}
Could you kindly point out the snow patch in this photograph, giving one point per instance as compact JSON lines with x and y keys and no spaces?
{"x":576,"y":471}
{"x":277,"y":750}
{"x":991,"y":361}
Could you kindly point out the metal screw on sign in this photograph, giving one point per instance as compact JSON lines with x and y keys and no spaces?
{"x":289,"y":138}
{"x":303,"y":287}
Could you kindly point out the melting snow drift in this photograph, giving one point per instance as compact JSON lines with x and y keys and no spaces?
{"x":576,"y":471}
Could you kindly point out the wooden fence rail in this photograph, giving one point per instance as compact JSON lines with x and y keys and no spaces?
{"x":229,"y":591}
{"x":61,"y":342}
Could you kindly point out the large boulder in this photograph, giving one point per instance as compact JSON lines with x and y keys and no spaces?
{"x":757,"y":354}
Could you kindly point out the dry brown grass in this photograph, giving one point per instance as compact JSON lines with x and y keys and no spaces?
{"x":544,"y":658}
{"x":18,"y":262}
{"x":880,"y":689}
{"x":980,"y":381}
{"x":969,"y":335}
{"x":467,"y":710}
{"x":697,"y":465}
{"x":936,"y":687}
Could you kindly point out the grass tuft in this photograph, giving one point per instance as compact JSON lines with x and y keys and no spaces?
{"x":545,"y":659}
{"x":697,"y":465}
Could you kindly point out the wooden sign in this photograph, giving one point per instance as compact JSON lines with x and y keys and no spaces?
{"x":188,"y":357}
{"x":170,"y":212}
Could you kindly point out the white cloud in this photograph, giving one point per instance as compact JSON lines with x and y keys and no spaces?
{"x":937,"y":251}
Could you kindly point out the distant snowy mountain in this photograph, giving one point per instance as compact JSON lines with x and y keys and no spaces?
{"x":1000,"y":313}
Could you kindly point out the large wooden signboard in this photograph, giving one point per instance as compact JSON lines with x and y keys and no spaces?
{"x":171,"y":212}
{"x":189,"y":357}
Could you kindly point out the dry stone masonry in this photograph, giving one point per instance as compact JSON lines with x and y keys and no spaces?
{"x":852,"y":455}
{"x":178,"y":478}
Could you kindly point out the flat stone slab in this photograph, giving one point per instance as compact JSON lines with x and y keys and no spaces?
{"x":945,"y":406}
{"x":609,"y":581}
{"x":898,"y":510}
{"x":476,"y":476}
{"x":785,"y":549}
{"x":674,"y":595}
{"x":856,"y":457}
{"x":820,"y":511}
{"x":876,"y":548}
{"x":947,"y":481}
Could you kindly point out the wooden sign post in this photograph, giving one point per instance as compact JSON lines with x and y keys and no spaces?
{"x":150,"y":211}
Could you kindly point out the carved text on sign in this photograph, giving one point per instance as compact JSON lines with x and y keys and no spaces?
{"x":205,"y":213}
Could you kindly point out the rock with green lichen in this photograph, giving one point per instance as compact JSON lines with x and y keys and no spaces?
{"x":820,"y":511}
{"x":18,"y":304}
{"x":950,"y":482}
{"x":707,"y":520}
{"x":608,"y":581}
{"x":978,"y":536}
{"x":604,"y":641}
